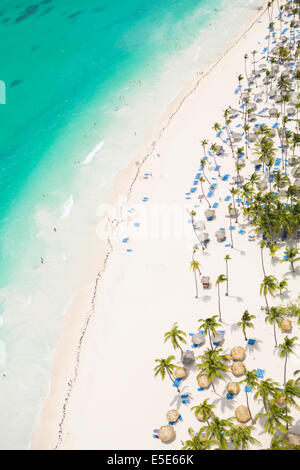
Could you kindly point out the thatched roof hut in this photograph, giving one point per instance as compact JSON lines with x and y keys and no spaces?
{"x":198,"y":339}
{"x":180,"y":372}
{"x":242,"y":414}
{"x":293,"y":438}
{"x":238,"y":369}
{"x":286,"y":325}
{"x":233,"y":387}
{"x":188,"y":357}
{"x":166,"y":433}
{"x":238,"y":353}
{"x":172,"y":416}
{"x":203,"y":381}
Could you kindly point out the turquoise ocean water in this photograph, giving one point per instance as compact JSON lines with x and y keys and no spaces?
{"x":85,"y":80}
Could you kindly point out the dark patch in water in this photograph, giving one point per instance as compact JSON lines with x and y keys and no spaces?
{"x":98,"y":10}
{"x":46,"y":11}
{"x":45,"y":2}
{"x":28,"y":12}
{"x":6,"y":20}
{"x":35,"y":48}
{"x":74,"y":15}
{"x":15,"y":83}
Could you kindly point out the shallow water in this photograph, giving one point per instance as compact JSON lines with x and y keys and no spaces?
{"x":79,"y":75}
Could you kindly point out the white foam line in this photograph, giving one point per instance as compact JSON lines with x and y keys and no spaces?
{"x":92,"y":154}
{"x":66,"y":208}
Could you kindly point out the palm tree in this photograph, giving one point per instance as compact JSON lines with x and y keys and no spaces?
{"x":213,"y":363}
{"x":175,"y":336}
{"x":246,"y":322}
{"x":241,"y":437}
{"x":227,"y":258}
{"x":234,"y":192}
{"x":202,"y":180}
{"x":275,"y":419}
{"x":195,"y":267}
{"x":283,"y":285}
{"x":209,"y":325}
{"x":204,"y":143}
{"x":221,"y":278}
{"x":203,"y":163}
{"x":289,"y":393}
{"x":250,"y":380}
{"x":166,"y":366}
{"x":291,"y":256}
{"x":198,"y":441}
{"x":265,"y":389}
{"x":218,"y":429}
{"x":205,"y":410}
{"x":230,"y":231}
{"x":262,"y":246}
{"x":245,"y":59}
{"x":274,"y":316}
{"x":268,"y":286}
{"x":285,"y":349}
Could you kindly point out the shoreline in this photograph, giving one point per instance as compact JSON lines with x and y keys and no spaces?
{"x":51,"y":404}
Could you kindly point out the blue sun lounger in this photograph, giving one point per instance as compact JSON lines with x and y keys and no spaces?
{"x":247,"y":388}
{"x":210,"y":194}
{"x":155,"y":434}
{"x":215,"y":205}
{"x":177,"y":382}
{"x":200,"y":389}
{"x":260,"y":373}
{"x":231,"y":227}
{"x":251,"y":342}
{"x":229,"y":396}
{"x":227,"y":198}
{"x":217,"y":168}
{"x":241,"y":232}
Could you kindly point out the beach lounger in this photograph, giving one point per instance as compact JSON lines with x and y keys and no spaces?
{"x":217,"y":168}
{"x":227,"y":245}
{"x":231,"y":227}
{"x":247,"y":388}
{"x":193,"y":190}
{"x":177,"y":382}
{"x":260,"y":373}
{"x":129,"y":249}
{"x":229,"y":396}
{"x":200,"y":389}
{"x":210,"y":194}
{"x":227,"y":198}
{"x":241,"y":232}
{"x":185,"y":402}
{"x":136,"y":224}
{"x":215,"y":205}
{"x":145,"y":199}
{"x":125,"y":240}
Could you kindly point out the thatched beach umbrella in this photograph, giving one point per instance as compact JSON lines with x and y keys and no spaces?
{"x":203,"y":381}
{"x":233,"y":213}
{"x":291,"y":111}
{"x":258,"y":97}
{"x":242,"y":414}
{"x":172,"y":416}
{"x":199,"y":225}
{"x":210,"y":214}
{"x":238,"y":353}
{"x":293,"y":438}
{"x":217,"y":337}
{"x":188,"y":357}
{"x":286,"y":325}
{"x":180,"y":372}
{"x":237,"y":137}
{"x":252,"y":137}
{"x":220,"y":235}
{"x":198,"y":339}
{"x":205,"y":281}
{"x":238,"y":369}
{"x":238,"y":179}
{"x":262,"y":185}
{"x":273,"y":112}
{"x":166,"y":433}
{"x":233,"y":387}
{"x":202,"y":236}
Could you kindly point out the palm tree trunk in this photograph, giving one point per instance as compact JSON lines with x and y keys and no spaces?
{"x":173,"y":380}
{"x":219,"y":303}
{"x":195,"y":274}
{"x":267,"y":303}
{"x":285,"y":364}
{"x":262,"y":261}
{"x":244,"y":331}
{"x":247,"y":399}
{"x":211,"y":345}
{"x":226,"y":277}
{"x":275,"y":337}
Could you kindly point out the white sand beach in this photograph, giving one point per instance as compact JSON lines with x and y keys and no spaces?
{"x":103,"y":393}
